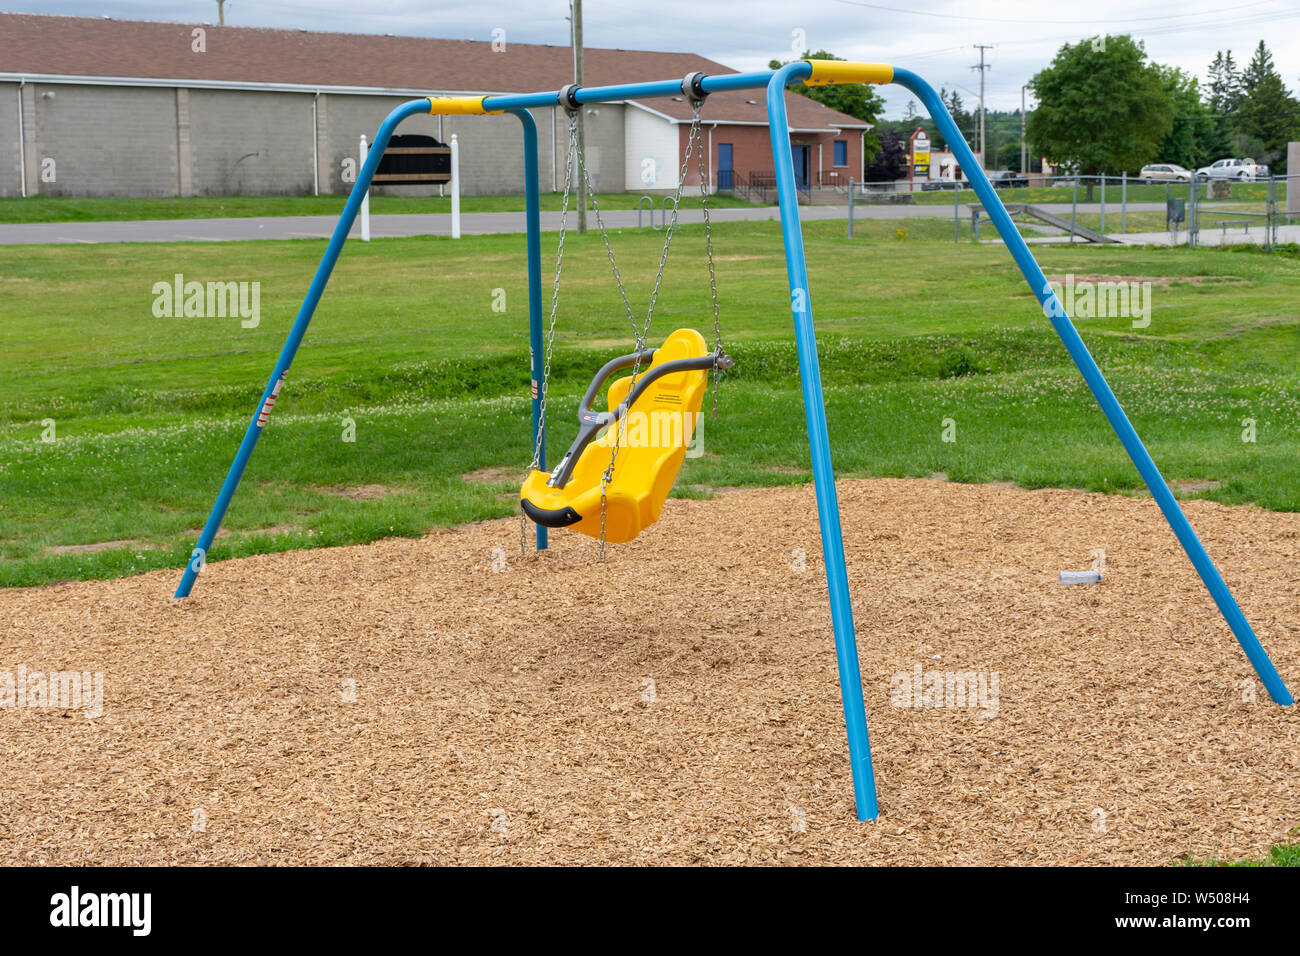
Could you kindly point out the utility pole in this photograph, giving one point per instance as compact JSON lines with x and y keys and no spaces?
{"x":221,"y":13}
{"x":1024,"y":147}
{"x":576,"y":20}
{"x":982,"y":68}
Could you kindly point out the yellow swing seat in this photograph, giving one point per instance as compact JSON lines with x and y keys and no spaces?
{"x":658,"y":423}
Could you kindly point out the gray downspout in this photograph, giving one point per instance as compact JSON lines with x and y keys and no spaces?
{"x":315,"y":145}
{"x":22,"y":145}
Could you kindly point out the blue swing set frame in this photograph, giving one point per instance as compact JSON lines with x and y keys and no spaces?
{"x":775,"y":82}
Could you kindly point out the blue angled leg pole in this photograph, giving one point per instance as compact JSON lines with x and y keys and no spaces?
{"x":199,"y":556}
{"x":1101,"y":390}
{"x":536,"y":348}
{"x":828,"y":509}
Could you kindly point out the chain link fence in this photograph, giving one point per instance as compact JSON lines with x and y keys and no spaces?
{"x":1101,"y":208}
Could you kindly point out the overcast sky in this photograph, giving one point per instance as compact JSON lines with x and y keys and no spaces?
{"x":933,"y":37}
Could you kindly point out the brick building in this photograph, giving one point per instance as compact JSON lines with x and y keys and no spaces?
{"x":102,"y":107}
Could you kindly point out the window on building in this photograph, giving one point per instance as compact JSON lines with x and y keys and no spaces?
{"x":841,"y":152}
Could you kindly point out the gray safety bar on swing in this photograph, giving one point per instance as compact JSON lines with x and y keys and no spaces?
{"x":590,"y":422}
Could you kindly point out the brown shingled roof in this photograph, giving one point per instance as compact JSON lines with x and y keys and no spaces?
{"x":84,"y":46}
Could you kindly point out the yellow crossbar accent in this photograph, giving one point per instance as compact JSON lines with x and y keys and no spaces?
{"x":845,"y":71}
{"x":446,"y":105}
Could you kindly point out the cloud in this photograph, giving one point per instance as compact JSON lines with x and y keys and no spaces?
{"x":934,"y":38}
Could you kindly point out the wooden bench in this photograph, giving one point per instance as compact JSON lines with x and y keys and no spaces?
{"x":1225,"y":223}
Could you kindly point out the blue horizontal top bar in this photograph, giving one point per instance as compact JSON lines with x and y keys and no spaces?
{"x":520,"y":101}
{"x":630,"y":91}
{"x":739,"y":81}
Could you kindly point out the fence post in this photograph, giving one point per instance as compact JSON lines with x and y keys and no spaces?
{"x":1123,"y":202}
{"x":1286,"y":199}
{"x":1103,"y":204}
{"x":956,"y":211}
{"x":1269,"y":212}
{"x":365,"y":200}
{"x":455,"y":187}
{"x":1279,"y":187}
{"x":1290,"y":182}
{"x":850,"y":207}
{"x":1074,"y":207}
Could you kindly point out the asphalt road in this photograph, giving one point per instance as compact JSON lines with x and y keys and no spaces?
{"x":472,"y":223}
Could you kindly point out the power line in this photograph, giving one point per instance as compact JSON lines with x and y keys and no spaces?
{"x":1217,"y":24}
{"x":1037,"y":20}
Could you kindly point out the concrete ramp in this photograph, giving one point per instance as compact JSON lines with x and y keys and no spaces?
{"x":1015,"y":209}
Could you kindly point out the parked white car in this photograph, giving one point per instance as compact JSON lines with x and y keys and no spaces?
{"x":1246,"y":170}
{"x":1165,"y":173}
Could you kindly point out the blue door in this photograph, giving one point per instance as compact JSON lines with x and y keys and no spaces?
{"x":724,"y":166}
{"x":800,"y":156}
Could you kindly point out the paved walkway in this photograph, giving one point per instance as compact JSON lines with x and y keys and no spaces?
{"x":1214,"y":236}
{"x":320,"y":227}
{"x":439,"y":224}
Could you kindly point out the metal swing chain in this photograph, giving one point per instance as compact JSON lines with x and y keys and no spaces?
{"x":637,"y":335}
{"x":642,"y":335}
{"x":604,"y":236}
{"x":544,"y":385}
{"x":713,"y":278}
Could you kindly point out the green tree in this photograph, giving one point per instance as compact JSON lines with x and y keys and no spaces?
{"x":890,"y":161}
{"x":960,"y":115}
{"x":1224,"y":93}
{"x":1267,"y":112}
{"x":859,"y":100}
{"x":1194,"y":139}
{"x":1257,"y":71}
{"x":1101,"y":107}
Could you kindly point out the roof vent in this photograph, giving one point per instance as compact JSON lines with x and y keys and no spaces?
{"x":752,"y":102}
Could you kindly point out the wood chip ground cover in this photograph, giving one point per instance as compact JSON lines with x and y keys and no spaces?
{"x":446,"y":701}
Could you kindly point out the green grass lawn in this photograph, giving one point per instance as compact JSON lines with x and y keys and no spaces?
{"x":145,"y":412}
{"x":60,"y":209}
{"x":1135,"y":192}
{"x":942,"y":229}
{"x":1284,"y":854}
{"x":1139,"y":221}
{"x":1133,"y":220}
